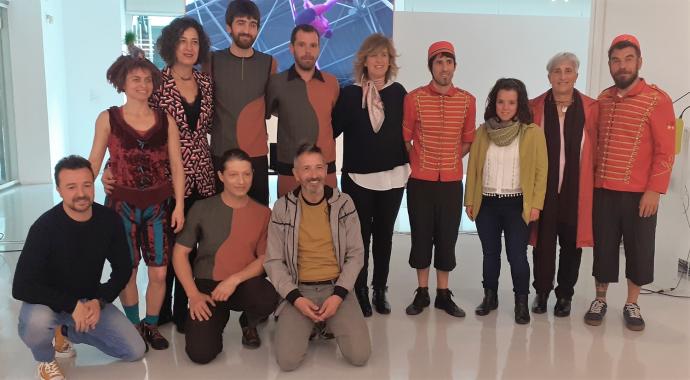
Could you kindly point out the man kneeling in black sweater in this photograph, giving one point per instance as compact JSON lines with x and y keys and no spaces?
{"x":58,"y":276}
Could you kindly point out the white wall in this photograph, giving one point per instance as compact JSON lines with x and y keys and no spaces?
{"x":25,"y":19}
{"x":92,"y":43}
{"x":60,"y":51}
{"x":488,"y":47}
{"x":661,"y":27}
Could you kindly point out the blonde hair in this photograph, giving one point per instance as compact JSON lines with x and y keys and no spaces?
{"x":371,"y":45}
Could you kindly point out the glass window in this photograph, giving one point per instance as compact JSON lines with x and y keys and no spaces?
{"x":7,"y":149}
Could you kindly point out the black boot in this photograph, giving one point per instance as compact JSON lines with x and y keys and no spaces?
{"x":363,"y":298}
{"x":379,"y":300}
{"x":521,"y":309}
{"x":490,"y":302}
{"x":444,"y":302}
{"x":539,"y":304}
{"x":562,"y":308}
{"x":421,"y":300}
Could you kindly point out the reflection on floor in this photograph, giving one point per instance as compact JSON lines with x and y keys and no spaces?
{"x":431,"y":345}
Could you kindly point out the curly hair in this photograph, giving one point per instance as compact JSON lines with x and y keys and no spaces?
{"x":242,"y":8}
{"x":170,"y":37}
{"x":523,"y":114}
{"x":124,"y":64}
{"x":371,"y":45}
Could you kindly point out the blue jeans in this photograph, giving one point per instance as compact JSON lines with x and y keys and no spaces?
{"x":499,"y":215}
{"x":114,"y":333}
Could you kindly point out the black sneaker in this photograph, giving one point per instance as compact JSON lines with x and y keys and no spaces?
{"x":633,"y":318}
{"x":140,"y":329}
{"x":154,"y":337}
{"x":562,"y":307}
{"x":421,"y":300}
{"x":445,"y":303}
{"x":596,"y":312}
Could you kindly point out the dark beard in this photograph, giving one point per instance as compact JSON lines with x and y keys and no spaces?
{"x":237,"y":41}
{"x":623,"y":84}
{"x":304,"y":67}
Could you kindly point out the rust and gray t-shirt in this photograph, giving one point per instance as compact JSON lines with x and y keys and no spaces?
{"x":304,"y":114}
{"x":229,"y":238}
{"x":240,"y":107}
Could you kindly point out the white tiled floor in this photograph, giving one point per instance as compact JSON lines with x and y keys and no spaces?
{"x":429,"y":346}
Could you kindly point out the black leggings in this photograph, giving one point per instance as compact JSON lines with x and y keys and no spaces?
{"x":255,"y":298}
{"x":377,"y":211}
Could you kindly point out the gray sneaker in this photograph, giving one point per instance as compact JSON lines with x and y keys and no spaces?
{"x":596,"y":312}
{"x":633,"y":318}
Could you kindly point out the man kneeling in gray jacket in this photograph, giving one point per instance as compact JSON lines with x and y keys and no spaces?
{"x":313,"y":257}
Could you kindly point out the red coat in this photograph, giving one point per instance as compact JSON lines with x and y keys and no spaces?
{"x":587,"y":154}
{"x":636,"y":140}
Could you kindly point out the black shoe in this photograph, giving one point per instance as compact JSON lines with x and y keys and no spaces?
{"x":444,"y":302}
{"x":562,"y":308}
{"x":363,"y":298}
{"x":250,"y":338}
{"x":521,"y":309}
{"x":595,"y":314}
{"x":633,"y":318}
{"x":142,"y":333}
{"x":380,"y":302}
{"x":490,"y":302}
{"x":539,"y":304}
{"x":154,"y":337}
{"x":421,"y":300}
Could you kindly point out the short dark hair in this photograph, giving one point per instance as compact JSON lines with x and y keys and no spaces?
{"x":307,"y":148}
{"x":442,"y":54}
{"x":306,"y":28}
{"x":72,"y":162}
{"x":167,"y":42}
{"x":242,"y":8}
{"x":235,"y":154}
{"x":622,"y":45}
{"x":124,"y":64}
{"x":523,"y":114}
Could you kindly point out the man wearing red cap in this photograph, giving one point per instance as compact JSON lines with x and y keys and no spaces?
{"x":634,"y":157}
{"x":438,"y":128}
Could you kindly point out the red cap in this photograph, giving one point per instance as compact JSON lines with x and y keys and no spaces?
{"x":440,"y":47}
{"x":626,"y":37}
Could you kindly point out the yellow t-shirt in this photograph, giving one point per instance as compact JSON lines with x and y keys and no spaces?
{"x":316,"y":259}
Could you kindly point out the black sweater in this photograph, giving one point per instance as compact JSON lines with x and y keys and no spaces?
{"x":62,"y":260}
{"x":363,"y":150}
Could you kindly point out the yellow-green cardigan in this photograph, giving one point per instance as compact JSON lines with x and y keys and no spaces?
{"x":533,"y":169}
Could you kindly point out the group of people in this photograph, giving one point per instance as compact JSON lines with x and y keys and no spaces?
{"x":561,"y":168}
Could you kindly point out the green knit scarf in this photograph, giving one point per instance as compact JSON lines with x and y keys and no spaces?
{"x":502,"y":133}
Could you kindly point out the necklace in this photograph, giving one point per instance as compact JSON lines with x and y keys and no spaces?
{"x":563,"y":105}
{"x":183,"y":77}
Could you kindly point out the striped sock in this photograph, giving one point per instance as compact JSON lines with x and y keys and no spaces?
{"x":151,"y":319}
{"x":132,"y":313}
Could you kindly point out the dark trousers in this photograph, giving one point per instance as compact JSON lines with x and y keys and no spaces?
{"x":434,"y":208}
{"x":177,"y":312}
{"x":259,"y":189}
{"x":544,"y":254}
{"x":616,"y":215}
{"x":255,"y":298}
{"x":504,"y":215}
{"x":377,"y":211}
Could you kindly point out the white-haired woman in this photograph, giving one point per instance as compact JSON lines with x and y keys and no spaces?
{"x":568,"y":118}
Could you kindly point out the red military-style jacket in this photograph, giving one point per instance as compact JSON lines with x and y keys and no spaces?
{"x":636,"y":140}
{"x":438,"y":124}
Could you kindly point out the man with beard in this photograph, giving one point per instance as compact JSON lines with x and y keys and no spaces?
{"x":240,"y":75}
{"x":314,"y":256}
{"x":438,"y":128}
{"x":58,"y":276}
{"x":303,"y":97}
{"x":635,"y":148}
